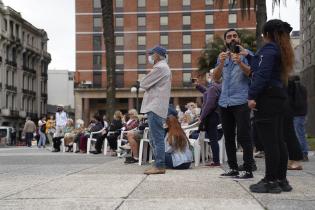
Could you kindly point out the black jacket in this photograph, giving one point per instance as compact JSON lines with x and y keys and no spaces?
{"x":297,"y":98}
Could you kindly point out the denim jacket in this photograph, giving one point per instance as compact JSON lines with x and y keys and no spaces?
{"x":178,"y":157}
{"x":235,"y":84}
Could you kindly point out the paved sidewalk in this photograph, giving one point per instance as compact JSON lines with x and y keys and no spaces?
{"x":38,"y":179}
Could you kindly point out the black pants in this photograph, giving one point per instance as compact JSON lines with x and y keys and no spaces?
{"x":256,"y":141}
{"x":237,"y":117}
{"x":98,"y":144}
{"x":57,"y":143}
{"x":210,"y":124}
{"x":270,"y":131}
{"x":112,"y":141}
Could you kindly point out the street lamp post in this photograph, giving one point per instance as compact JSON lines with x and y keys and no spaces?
{"x":135,"y":89}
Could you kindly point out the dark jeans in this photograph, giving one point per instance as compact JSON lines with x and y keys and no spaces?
{"x":169,"y":163}
{"x":29,"y":137}
{"x":270,"y":132}
{"x":210,"y":124}
{"x":255,"y":139}
{"x":112,"y":141}
{"x":237,"y":117}
{"x":99,"y":144}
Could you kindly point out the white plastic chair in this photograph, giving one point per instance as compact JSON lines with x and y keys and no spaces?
{"x":121,"y":139}
{"x":143,"y":148}
{"x":91,"y":139}
{"x":195,"y":143}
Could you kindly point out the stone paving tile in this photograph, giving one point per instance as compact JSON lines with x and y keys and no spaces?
{"x":60,"y":204}
{"x":189,"y":204}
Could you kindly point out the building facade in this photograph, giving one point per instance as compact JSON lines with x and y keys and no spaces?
{"x":182,"y":26}
{"x":307,"y":42}
{"x":60,"y":90}
{"x":23,"y":62}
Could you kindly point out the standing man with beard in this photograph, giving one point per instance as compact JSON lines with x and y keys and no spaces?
{"x":235,"y":72}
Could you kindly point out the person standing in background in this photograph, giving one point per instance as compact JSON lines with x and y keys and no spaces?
{"x":61,"y":121}
{"x":28,"y":131}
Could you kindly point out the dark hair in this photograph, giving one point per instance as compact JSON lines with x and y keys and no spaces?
{"x":98,"y":117}
{"x":231,"y":29}
{"x":279,"y":32}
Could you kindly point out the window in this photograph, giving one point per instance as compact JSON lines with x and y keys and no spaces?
{"x":97,"y":42}
{"x":5,"y":24}
{"x":119,"y":3}
{"x":141,"y":59}
{"x":119,"y":59}
{"x":209,"y":19}
{"x":119,"y":40}
{"x":141,"y":3}
{"x":97,"y":60}
{"x":164,"y":21}
{"x":164,"y":39}
{"x":119,"y":22}
{"x":186,"y":77}
{"x":186,"y":20}
{"x":209,"y":2}
{"x":187,"y":58}
{"x":17,"y":30}
{"x":232,"y":18}
{"x":163,"y":3}
{"x":186,"y":2}
{"x":209,"y":38}
{"x":97,"y":22}
{"x":231,"y":2}
{"x":97,"y":4}
{"x":141,"y":40}
{"x":187,"y":39}
{"x":141,"y":21}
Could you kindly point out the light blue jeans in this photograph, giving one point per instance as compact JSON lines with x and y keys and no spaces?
{"x":299,"y":126}
{"x":42,"y":139}
{"x":157,"y":134}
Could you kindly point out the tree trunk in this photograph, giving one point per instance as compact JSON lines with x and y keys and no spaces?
{"x":261,"y":18}
{"x":109,"y":40}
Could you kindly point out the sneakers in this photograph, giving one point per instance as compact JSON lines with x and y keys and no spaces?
{"x":264,"y":186}
{"x":230,"y":173}
{"x":245,"y":175}
{"x":284,"y":185}
{"x":259,"y":154}
{"x":130,"y":160}
{"x":125,"y":147}
{"x":155,"y":170}
{"x":242,"y":168}
{"x":212,"y":164}
{"x":305,"y":158}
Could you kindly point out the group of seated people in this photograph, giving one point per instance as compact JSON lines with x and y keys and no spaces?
{"x":178,"y":154}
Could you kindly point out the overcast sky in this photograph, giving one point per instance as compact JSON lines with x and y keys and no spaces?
{"x":57,"y":18}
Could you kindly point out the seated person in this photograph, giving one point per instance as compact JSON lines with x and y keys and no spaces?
{"x":95,"y":125}
{"x":134,"y":138}
{"x":177,"y":152}
{"x":114,"y":131}
{"x":69,"y":136}
{"x":100,"y":140}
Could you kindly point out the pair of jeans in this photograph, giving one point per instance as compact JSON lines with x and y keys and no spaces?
{"x":42,"y":138}
{"x":210,"y":124}
{"x":237,"y":118}
{"x":157,"y":134}
{"x":169,"y":163}
{"x":299,"y":126}
{"x":29,"y":137}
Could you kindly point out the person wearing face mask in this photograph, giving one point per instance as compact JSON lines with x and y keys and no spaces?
{"x":157,"y":86}
{"x":209,"y":118}
{"x":235,"y":114}
{"x":61,"y":121}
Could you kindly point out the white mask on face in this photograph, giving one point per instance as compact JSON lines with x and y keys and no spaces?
{"x":150,"y":59}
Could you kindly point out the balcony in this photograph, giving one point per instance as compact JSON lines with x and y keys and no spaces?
{"x":44,"y":74}
{"x":29,"y":92}
{"x":11,"y":88}
{"x":44,"y":95}
{"x":30,"y":70}
{"x":11,"y":63}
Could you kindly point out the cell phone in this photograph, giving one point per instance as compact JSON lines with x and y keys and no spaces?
{"x":193,"y":80}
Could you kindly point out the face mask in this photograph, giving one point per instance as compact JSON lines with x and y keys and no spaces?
{"x":150,"y":59}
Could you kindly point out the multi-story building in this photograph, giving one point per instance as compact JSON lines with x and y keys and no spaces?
{"x":182,"y":26}
{"x":23,"y":62}
{"x":60,"y":90}
{"x":307,"y":45}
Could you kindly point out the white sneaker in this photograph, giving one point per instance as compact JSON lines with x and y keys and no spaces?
{"x":125,"y":147}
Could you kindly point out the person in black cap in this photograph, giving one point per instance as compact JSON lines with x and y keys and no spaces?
{"x":157,"y":86}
